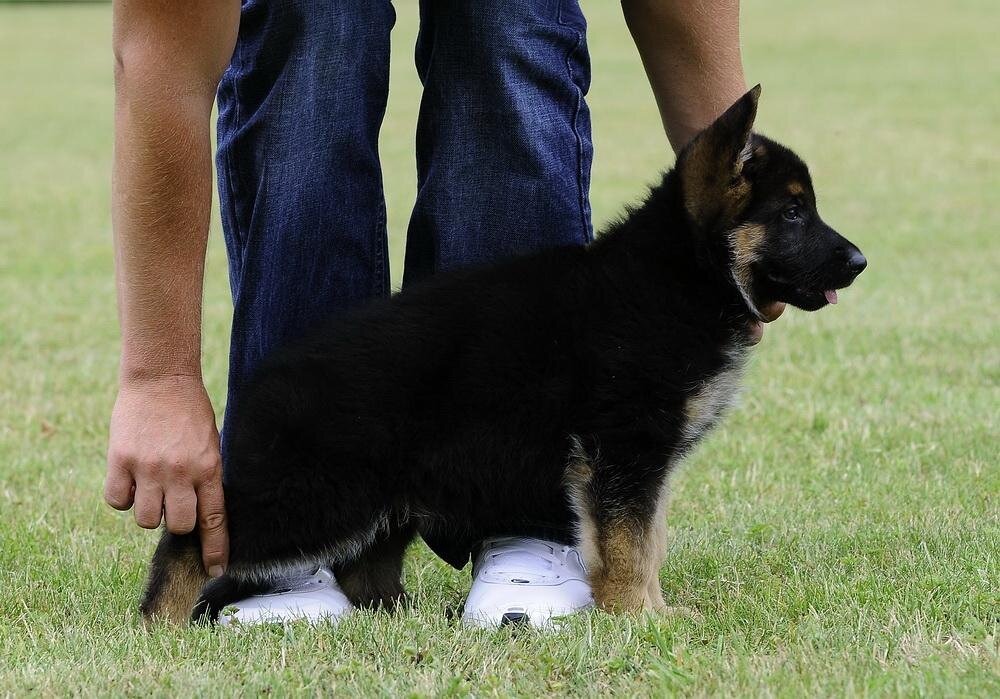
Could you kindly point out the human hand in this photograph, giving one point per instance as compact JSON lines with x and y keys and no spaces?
{"x":163,"y":458}
{"x":770,"y":313}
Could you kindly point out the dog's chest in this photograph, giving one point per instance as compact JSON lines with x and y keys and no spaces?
{"x":712,"y":396}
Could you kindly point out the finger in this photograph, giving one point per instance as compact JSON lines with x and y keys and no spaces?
{"x":772,"y":311}
{"x":148,"y":506}
{"x":119,"y":487}
{"x":180,"y":510}
{"x":755,"y":333}
{"x":212,"y":528}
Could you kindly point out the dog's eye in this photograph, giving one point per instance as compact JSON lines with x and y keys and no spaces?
{"x":792,"y":213}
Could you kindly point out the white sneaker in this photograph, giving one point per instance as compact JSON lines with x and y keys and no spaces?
{"x":311,"y":595}
{"x":526,"y":580}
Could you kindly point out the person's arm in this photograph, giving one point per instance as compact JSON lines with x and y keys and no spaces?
{"x":691,"y":52}
{"x":163,"y":452}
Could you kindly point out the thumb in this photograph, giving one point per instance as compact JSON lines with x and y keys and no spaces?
{"x":212,"y":529}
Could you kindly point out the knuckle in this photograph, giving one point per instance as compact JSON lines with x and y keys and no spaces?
{"x":118,"y":456}
{"x":180,"y":471}
{"x":144,"y":468}
{"x":209,"y":469}
{"x":211,"y":521}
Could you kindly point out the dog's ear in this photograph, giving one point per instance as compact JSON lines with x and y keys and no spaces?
{"x":711,"y":166}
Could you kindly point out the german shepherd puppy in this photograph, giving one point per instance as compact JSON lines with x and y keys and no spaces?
{"x":555,"y":391}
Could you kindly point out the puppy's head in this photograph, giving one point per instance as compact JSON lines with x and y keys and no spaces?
{"x":752,"y":200}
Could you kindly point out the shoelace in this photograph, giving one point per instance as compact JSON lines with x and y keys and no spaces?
{"x":517,"y":554}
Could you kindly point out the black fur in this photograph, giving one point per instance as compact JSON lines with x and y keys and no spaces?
{"x":453,"y":408}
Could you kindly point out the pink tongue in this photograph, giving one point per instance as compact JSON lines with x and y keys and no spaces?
{"x":831,"y":295}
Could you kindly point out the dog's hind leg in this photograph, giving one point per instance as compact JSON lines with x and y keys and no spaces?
{"x":178,"y":590}
{"x":370,"y":580}
{"x":176,"y":577}
{"x":374,"y":578}
{"x":220,"y":593}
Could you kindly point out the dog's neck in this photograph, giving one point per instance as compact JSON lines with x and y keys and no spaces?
{"x":660,"y":243}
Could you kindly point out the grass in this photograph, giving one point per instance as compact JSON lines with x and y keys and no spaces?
{"x":838,"y":535}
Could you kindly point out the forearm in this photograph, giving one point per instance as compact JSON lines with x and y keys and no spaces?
{"x":168,"y":61}
{"x":161,"y":206}
{"x":690,"y":50}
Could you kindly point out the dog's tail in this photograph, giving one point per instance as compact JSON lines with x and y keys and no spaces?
{"x":176,"y":577}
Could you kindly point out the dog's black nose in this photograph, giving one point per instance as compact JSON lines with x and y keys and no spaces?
{"x":856,"y":262}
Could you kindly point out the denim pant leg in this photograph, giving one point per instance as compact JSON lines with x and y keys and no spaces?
{"x":503,"y":144}
{"x":503,"y":139}
{"x":300,"y":185}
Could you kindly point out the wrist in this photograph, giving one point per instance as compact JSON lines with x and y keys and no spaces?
{"x":132,"y":373}
{"x":151,"y":359}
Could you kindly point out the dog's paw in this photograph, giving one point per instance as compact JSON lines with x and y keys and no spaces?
{"x":655,"y":603}
{"x":681,"y":612}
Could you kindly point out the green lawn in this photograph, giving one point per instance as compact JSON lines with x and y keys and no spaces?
{"x":840,"y":533}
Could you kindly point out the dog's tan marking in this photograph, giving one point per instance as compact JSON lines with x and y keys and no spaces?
{"x":707,"y":403}
{"x":746,"y":241}
{"x":711,"y":169}
{"x":714,"y":189}
{"x":622,"y":557}
{"x":579,"y":471}
{"x":796,"y":188}
{"x":699,"y":178}
{"x":629,"y":568}
{"x":184,"y":577}
{"x":654,"y":592}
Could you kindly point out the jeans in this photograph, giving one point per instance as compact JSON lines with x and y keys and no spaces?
{"x":503,"y":155}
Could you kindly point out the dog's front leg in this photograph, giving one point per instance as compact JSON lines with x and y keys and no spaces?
{"x":659,"y":549}
{"x":620,"y":532}
{"x":622,"y":580}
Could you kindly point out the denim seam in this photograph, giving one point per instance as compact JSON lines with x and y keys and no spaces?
{"x":231,"y":171}
{"x":559,"y":13}
{"x":584,"y":219}
{"x":380,"y":278}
